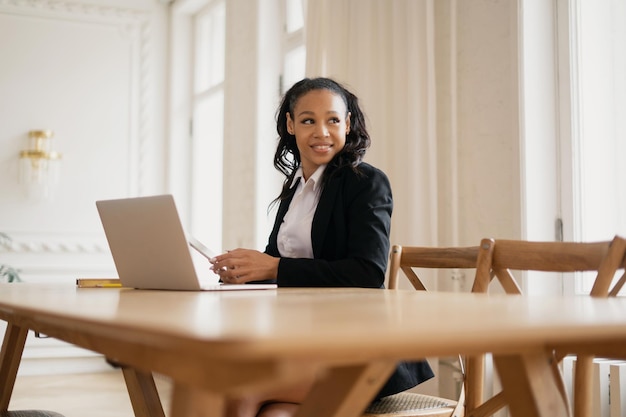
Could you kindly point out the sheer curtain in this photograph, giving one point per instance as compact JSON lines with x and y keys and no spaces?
{"x":384,"y":51}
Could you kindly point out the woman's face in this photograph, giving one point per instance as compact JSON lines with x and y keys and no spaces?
{"x":320,"y":125}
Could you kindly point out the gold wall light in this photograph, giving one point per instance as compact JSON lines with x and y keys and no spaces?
{"x":39,"y":165}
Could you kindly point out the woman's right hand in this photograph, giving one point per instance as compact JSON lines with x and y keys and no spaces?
{"x":244,"y":265}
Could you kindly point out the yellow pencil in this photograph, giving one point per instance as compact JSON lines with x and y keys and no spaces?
{"x":98,"y":283}
{"x":108,"y":285}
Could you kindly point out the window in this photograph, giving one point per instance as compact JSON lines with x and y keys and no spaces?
{"x":207,"y":133}
{"x":597,"y":64}
{"x":196,"y":116}
{"x":197,"y":157}
{"x":294,"y":48}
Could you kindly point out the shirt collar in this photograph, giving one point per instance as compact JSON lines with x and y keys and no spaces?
{"x":315,"y":177}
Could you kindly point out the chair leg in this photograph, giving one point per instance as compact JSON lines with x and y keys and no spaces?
{"x":489,"y":407}
{"x":583,"y":388}
{"x":474,"y":388}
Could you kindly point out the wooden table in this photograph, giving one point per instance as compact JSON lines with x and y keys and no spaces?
{"x":217,"y":343}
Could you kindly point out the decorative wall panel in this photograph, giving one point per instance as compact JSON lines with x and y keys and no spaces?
{"x":83,"y":71}
{"x":87,"y":72}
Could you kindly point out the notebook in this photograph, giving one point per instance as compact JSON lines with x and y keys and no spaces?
{"x":150,"y":249}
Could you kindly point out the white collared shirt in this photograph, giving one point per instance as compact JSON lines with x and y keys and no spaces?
{"x":294,"y":235}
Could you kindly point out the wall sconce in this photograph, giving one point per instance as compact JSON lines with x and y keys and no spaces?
{"x":39,"y":165}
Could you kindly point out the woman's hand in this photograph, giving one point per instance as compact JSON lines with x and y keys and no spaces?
{"x":243,"y":265}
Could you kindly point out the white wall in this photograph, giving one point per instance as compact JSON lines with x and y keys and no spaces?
{"x":487,"y":120}
{"x":93,"y":72}
{"x":478,"y":138}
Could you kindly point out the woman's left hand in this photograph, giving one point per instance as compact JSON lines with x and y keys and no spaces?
{"x":243,"y":265}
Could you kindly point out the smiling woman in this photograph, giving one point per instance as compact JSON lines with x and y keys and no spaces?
{"x":333,"y":221}
{"x":320,"y":124}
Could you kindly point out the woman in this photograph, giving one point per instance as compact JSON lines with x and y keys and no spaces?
{"x":333,"y":221}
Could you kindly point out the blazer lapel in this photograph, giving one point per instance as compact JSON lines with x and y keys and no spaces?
{"x":325,"y":209}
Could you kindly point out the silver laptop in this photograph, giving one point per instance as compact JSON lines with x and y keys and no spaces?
{"x":150,"y":249}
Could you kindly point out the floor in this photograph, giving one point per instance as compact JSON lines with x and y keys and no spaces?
{"x":80,"y":395}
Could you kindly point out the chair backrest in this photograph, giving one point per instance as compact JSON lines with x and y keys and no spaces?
{"x":409,"y":258}
{"x":406,"y":258}
{"x":497,"y":258}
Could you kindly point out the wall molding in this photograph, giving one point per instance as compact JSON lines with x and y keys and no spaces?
{"x":74,"y":10}
{"x":29,"y":244}
{"x":135,"y":25}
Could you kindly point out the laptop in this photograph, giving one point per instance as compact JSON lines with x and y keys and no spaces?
{"x":150,"y":249}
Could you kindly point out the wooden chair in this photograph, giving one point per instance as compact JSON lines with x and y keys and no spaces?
{"x":408,"y":404}
{"x":497,"y":258}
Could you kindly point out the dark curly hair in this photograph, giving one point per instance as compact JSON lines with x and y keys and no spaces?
{"x":287,"y":156}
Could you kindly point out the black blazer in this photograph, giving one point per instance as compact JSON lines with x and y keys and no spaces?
{"x":349,"y":233}
{"x":350,"y":238}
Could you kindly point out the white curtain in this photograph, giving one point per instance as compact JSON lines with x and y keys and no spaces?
{"x":383,"y":50}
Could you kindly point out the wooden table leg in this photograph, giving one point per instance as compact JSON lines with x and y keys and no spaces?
{"x":143,"y":393}
{"x":346,"y":391}
{"x":10,"y":357}
{"x":530,"y":385}
{"x":191,"y":402}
